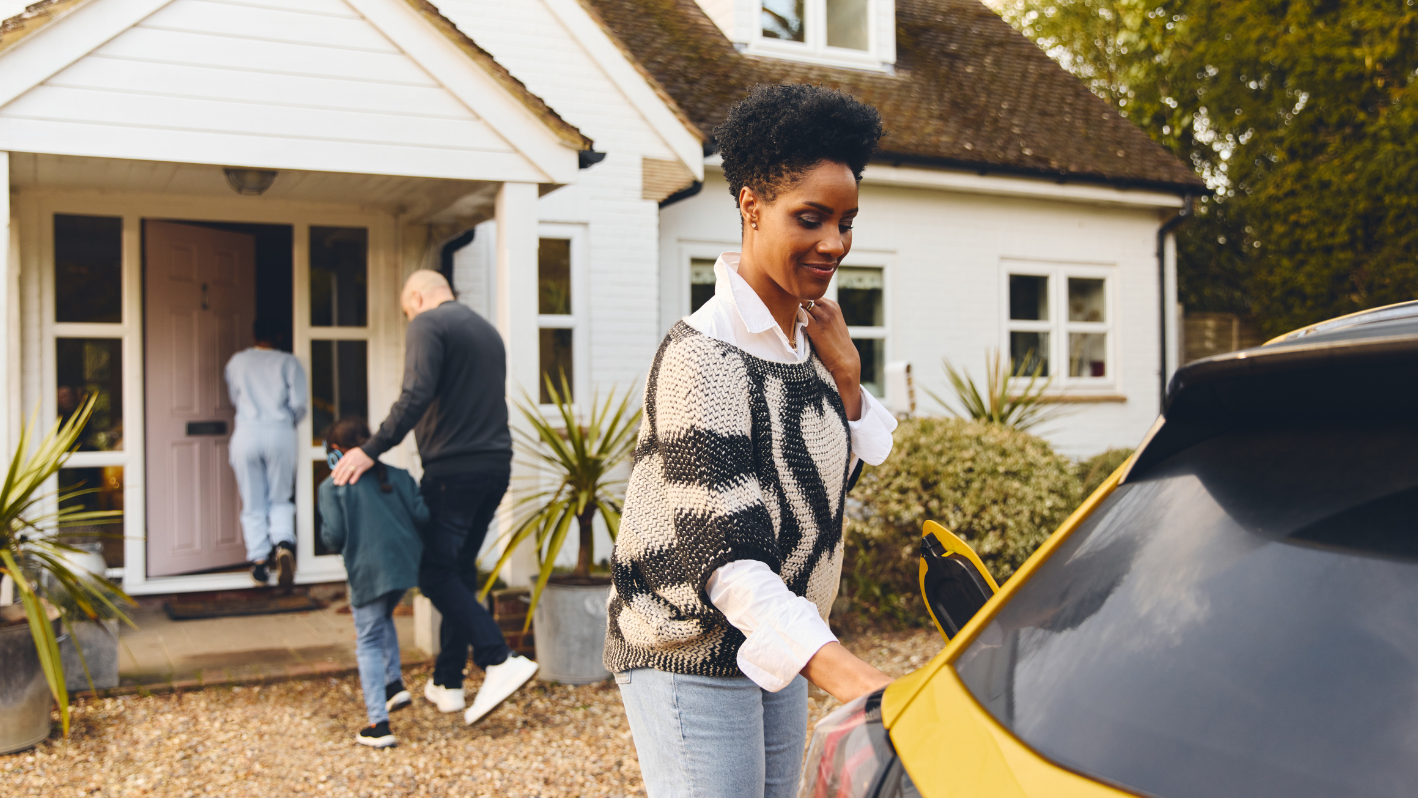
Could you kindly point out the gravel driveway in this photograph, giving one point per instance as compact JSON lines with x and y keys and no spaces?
{"x":295,"y":738}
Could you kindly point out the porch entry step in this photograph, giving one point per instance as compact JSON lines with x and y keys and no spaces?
{"x":192,"y":609}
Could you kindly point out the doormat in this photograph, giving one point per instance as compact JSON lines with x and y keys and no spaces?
{"x":192,"y":610}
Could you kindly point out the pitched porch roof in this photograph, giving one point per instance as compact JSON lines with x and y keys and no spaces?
{"x":365,"y":86}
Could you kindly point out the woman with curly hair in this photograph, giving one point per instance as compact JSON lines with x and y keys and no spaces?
{"x":729,"y":552}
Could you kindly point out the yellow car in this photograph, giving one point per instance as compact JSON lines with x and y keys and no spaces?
{"x":1233,"y":613}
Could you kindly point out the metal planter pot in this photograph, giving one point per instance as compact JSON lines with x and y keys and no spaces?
{"x":24,"y":695}
{"x":571,"y":633}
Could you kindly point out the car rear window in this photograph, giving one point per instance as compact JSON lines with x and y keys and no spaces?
{"x":1240,"y":620}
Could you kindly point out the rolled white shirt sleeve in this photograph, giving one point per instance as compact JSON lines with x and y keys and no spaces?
{"x":871,"y":434}
{"x":783,"y":630}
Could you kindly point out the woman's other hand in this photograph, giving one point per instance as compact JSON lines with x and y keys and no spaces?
{"x":842,"y":674}
{"x":835,"y":349}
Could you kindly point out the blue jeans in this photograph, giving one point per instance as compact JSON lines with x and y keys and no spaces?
{"x":377,"y":651}
{"x":460,"y":508}
{"x":264,"y":459}
{"x":715,"y":737}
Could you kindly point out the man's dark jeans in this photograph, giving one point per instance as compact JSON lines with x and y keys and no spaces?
{"x":460,"y":508}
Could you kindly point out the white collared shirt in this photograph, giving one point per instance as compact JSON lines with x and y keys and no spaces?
{"x":783,"y":630}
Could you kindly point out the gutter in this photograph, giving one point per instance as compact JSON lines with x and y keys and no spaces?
{"x":1162,"y":232}
{"x":683,"y":194}
{"x":985,"y":169}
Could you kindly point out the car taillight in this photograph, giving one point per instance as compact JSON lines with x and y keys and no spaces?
{"x":851,"y":756}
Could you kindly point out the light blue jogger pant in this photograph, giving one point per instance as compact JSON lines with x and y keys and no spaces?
{"x":715,"y":737}
{"x":263,"y":457}
{"x":377,"y":652}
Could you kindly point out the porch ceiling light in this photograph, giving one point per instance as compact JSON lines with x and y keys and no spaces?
{"x":251,"y":182}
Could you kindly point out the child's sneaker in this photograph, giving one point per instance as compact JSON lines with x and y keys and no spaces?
{"x":396,"y":697}
{"x":447,"y":699}
{"x":260,"y":575}
{"x":376,"y":736}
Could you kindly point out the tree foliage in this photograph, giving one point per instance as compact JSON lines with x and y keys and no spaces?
{"x":1299,"y":113}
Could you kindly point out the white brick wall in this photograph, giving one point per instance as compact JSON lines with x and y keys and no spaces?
{"x":945,"y":288}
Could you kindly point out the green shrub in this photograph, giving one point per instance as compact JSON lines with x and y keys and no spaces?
{"x":1000,"y":489}
{"x":1094,"y":470}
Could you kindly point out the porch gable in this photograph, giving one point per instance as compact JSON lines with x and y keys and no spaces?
{"x":363,"y":86}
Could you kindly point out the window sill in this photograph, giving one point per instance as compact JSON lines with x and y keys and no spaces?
{"x":1080,"y":398}
{"x":833,"y":57}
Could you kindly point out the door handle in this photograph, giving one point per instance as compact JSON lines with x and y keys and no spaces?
{"x":205,"y":304}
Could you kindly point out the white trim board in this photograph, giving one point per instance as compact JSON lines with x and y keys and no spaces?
{"x":685,"y":143}
{"x":1000,"y":185}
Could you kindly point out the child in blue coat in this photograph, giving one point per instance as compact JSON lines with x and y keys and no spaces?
{"x":375,"y":524}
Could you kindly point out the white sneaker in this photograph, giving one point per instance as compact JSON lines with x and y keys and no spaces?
{"x":447,"y":699}
{"x":500,"y":682}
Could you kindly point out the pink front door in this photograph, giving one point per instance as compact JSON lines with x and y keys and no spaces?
{"x":200,"y":303}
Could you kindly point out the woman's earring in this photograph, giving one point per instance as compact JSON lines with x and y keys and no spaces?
{"x":754,"y":225}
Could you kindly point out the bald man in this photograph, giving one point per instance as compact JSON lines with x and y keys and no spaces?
{"x":454,"y":399}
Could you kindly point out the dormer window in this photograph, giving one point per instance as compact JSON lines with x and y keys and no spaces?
{"x":846,"y":23}
{"x":851,"y":33}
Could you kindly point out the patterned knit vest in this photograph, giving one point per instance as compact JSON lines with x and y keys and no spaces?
{"x":738,"y":458}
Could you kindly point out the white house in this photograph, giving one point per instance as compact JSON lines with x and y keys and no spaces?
{"x":1010,"y":209}
{"x":177,"y":166}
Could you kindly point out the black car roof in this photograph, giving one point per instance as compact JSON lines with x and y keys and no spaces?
{"x":1357,"y":367}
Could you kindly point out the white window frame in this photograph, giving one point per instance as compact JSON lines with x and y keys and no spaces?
{"x":1058,"y":326}
{"x":690,"y":251}
{"x":814,"y":49}
{"x":885,"y":262}
{"x":574,"y":321}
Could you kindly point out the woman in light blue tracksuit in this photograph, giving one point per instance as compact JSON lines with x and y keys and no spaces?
{"x":267,"y":388}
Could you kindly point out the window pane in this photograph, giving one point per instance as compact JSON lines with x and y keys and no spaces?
{"x":1087,"y":355}
{"x":847,"y":24}
{"x":555,"y":361}
{"x":1085,"y":300}
{"x":859,"y":292}
{"x":107,"y":484}
{"x":783,"y":19}
{"x":322,"y":470}
{"x":339,"y":276}
{"x":873,"y":355}
{"x":1028,"y":297}
{"x":554,"y":276}
{"x":339,"y":383}
{"x":92,"y":367}
{"x":701,"y":282}
{"x":88,"y":269}
{"x":1029,"y":351}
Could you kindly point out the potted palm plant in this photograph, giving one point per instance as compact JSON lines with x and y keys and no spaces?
{"x":579,"y":458}
{"x":33,"y":551}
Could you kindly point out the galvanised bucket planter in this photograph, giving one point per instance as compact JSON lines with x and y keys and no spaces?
{"x":24,"y":695}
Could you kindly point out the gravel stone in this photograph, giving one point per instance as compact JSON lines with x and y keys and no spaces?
{"x":297,"y":738}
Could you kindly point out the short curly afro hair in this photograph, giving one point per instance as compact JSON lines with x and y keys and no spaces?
{"x":778,"y":132}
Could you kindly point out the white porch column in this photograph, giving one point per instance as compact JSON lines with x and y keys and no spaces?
{"x":9,"y":315}
{"x":516,"y":318}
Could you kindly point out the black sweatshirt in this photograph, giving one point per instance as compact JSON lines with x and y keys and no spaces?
{"x":455,"y":377}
